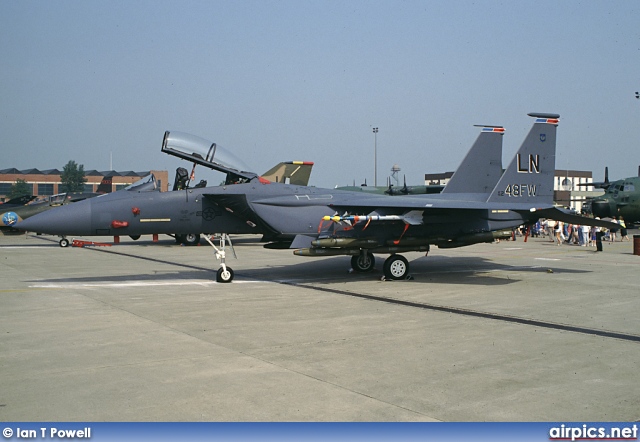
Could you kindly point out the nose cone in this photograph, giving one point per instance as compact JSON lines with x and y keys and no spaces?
{"x":70,"y":219}
{"x":602,"y":208}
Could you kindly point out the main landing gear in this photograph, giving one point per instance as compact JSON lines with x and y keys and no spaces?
{"x":363,"y":262}
{"x":396,"y":267}
{"x":190,"y":239}
{"x":225,"y":273}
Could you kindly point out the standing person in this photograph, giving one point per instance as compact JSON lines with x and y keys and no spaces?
{"x":612,"y":232}
{"x":598,"y":238}
{"x":592,"y":236}
{"x":623,"y":231}
{"x":558,"y":232}
{"x":551,"y":229}
{"x":585,"y":235}
{"x":575,"y":234}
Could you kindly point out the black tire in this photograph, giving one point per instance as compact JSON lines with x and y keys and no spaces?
{"x":134,"y":237}
{"x":224,"y":277}
{"x":396,"y":267}
{"x":179,"y":239}
{"x":363,"y":262}
{"x":191,"y":239}
{"x":64,"y":242}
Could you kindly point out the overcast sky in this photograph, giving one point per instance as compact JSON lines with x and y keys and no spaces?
{"x":308,"y":80}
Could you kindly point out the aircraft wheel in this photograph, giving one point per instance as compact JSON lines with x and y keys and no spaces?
{"x":191,"y":239}
{"x":134,"y":237}
{"x":64,"y":242}
{"x":224,"y":276}
{"x":363,"y":262}
{"x":179,"y":238}
{"x":396,"y":267}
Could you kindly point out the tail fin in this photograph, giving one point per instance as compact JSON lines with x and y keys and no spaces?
{"x":290,"y":172}
{"x":481,"y":168}
{"x":106,"y":185}
{"x":529,"y":177}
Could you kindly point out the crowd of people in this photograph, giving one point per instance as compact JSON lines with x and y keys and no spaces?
{"x":582,"y":235}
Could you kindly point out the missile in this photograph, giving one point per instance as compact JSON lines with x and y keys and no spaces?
{"x":413,"y":217}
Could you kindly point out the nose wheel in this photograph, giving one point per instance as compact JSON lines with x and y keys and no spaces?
{"x":225,"y":273}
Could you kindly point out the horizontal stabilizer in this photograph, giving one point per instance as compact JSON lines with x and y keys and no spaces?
{"x":558,"y":214}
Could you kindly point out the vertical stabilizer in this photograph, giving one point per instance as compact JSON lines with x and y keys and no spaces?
{"x":529,"y":177}
{"x":106,"y":185}
{"x":481,"y":168}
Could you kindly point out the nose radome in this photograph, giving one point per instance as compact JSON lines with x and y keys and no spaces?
{"x":70,"y":219}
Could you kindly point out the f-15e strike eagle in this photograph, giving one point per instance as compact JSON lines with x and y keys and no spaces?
{"x":477,"y":205}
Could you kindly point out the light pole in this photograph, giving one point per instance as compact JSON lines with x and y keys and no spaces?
{"x":375,"y":156}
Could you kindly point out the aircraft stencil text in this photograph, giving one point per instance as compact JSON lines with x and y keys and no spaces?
{"x":518,"y":190}
{"x":532,"y":167}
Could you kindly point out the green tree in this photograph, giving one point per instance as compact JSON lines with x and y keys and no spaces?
{"x":20,"y":188}
{"x":72,"y":177}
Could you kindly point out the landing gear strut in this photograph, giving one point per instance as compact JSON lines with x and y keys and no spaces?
{"x":363,"y":262}
{"x":225,"y":274}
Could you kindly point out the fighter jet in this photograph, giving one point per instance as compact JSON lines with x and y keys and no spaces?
{"x":185,"y":212}
{"x":18,"y":201}
{"x":322,"y":222}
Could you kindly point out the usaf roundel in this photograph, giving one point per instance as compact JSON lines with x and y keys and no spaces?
{"x":9,"y":218}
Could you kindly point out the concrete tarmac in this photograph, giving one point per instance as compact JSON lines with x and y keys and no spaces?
{"x":140,"y":331}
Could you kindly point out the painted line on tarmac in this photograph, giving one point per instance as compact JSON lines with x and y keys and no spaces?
{"x":27,"y":247}
{"x":476,"y":313}
{"x":125,"y":284}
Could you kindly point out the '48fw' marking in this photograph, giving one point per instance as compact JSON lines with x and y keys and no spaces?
{"x":519,"y":190}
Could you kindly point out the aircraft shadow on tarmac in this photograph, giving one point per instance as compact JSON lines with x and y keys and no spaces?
{"x":429,"y":270}
{"x":434,"y":269}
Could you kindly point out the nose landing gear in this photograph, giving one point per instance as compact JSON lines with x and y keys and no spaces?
{"x":225,"y":273}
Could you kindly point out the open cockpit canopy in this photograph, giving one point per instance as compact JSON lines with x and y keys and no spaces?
{"x":200,"y":151}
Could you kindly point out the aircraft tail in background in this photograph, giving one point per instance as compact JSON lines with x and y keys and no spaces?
{"x":290,"y":172}
{"x":106,"y":185}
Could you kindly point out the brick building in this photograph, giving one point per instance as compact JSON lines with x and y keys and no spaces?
{"x":47,"y":182}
